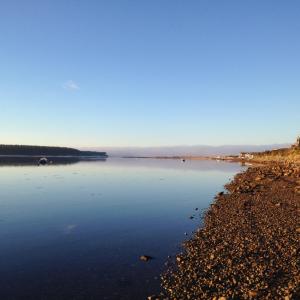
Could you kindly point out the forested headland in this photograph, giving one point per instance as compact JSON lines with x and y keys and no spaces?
{"x":28,"y":150}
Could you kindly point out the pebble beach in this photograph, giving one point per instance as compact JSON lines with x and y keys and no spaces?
{"x":248,"y":247}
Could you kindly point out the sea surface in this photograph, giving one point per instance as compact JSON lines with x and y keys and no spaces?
{"x":77,"y":230}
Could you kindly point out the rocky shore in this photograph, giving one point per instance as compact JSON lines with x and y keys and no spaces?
{"x":249,"y":245}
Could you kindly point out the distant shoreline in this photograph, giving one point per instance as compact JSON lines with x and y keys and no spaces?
{"x":223,"y":158}
{"x":45,"y":151}
{"x":171,"y":157}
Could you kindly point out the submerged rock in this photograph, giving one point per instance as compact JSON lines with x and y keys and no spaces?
{"x":145,"y":257}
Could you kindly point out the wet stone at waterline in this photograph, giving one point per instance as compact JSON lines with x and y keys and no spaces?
{"x":249,"y":246}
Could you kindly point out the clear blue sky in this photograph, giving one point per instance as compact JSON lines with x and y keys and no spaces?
{"x":149,"y":73}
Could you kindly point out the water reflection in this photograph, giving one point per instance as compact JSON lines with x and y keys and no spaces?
{"x":77,"y":231}
{"x":30,"y":160}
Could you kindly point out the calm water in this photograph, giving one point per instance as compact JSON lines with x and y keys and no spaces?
{"x":76,"y":231}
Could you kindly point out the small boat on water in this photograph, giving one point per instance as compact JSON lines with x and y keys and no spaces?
{"x":43,"y":161}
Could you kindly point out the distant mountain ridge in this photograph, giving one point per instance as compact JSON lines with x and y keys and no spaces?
{"x":28,"y":150}
{"x":195,"y":150}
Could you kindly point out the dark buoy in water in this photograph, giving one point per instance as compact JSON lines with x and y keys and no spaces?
{"x":183,"y":160}
{"x":43,"y":161}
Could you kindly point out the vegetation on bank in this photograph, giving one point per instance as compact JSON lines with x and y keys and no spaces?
{"x":283,"y":155}
{"x":279,"y":155}
{"x":45,"y":151}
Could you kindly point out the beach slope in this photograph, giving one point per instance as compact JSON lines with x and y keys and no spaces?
{"x":249,"y":245}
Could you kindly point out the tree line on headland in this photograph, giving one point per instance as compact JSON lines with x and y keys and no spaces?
{"x":45,"y":151}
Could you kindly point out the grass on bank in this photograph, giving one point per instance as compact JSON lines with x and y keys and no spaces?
{"x":279,"y":155}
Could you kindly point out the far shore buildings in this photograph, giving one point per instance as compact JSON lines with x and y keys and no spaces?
{"x":245,"y":155}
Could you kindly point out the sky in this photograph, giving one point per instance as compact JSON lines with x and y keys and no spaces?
{"x":149,"y":73}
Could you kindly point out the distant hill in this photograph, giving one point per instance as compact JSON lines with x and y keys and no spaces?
{"x":195,"y":150}
{"x":27,"y":150}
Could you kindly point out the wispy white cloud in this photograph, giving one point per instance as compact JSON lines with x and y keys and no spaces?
{"x":68,"y":229}
{"x":70,"y":85}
